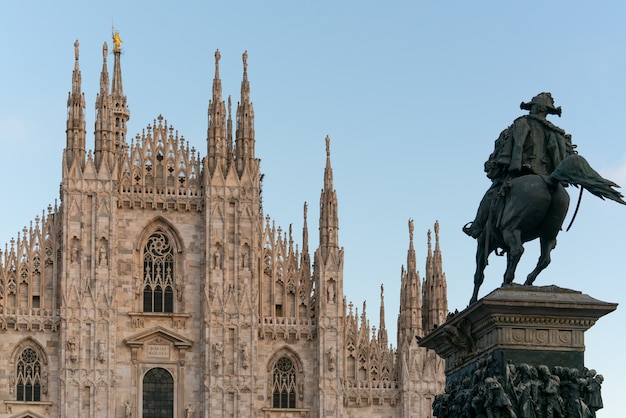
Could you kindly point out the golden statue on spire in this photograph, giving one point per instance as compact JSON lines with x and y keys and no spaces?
{"x":117,"y":41}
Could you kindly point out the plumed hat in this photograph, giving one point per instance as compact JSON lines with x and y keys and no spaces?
{"x":545,"y":100}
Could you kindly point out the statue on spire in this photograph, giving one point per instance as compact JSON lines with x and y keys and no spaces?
{"x":76,"y":49}
{"x":117,"y":41}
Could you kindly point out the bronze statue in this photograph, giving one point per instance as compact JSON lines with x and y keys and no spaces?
{"x":532,"y":162}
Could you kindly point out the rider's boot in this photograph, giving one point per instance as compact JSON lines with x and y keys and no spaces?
{"x":473,"y":229}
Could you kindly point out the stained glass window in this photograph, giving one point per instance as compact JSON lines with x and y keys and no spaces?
{"x":284,"y":384}
{"x":28,"y":377}
{"x":158,"y":274}
{"x":158,"y":394}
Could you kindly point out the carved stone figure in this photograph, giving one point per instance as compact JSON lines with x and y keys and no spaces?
{"x":180,"y":289}
{"x":331,"y":291}
{"x":332,"y":358}
{"x":74,"y":253}
{"x":102,"y":256}
{"x":189,"y":411}
{"x":218,"y":351}
{"x":245,"y":356}
{"x":71,"y":348}
{"x":100,"y":356}
{"x":128,"y":410}
{"x":531,"y":162}
{"x":217,"y":260}
{"x":44,"y":382}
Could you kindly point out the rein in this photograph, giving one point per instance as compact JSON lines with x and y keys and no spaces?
{"x":580,"y":197}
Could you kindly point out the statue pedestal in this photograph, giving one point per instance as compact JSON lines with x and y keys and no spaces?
{"x":519,"y":324}
{"x":541,"y":328}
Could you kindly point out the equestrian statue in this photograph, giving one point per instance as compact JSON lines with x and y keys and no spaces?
{"x":532,"y":163}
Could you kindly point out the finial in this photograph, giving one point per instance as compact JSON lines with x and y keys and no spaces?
{"x":117,"y":41}
{"x":327,"y":146}
{"x":105,"y":51}
{"x":411,"y":229}
{"x":429,"y":240}
{"x":244,"y":56}
{"x":217,"y":61}
{"x":306,"y":207}
{"x":76,"y":49}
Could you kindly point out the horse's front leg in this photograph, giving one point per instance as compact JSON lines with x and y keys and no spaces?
{"x":513,"y":240}
{"x":547,"y":245}
{"x":481,"y":263}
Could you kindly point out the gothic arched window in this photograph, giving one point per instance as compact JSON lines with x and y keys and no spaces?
{"x":158,"y":394}
{"x":28,"y":376}
{"x":158,"y":274}
{"x":284,"y":384}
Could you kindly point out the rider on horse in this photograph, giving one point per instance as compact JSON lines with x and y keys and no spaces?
{"x":531,"y":145}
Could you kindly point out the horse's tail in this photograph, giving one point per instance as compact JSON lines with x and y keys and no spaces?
{"x":576,"y":170}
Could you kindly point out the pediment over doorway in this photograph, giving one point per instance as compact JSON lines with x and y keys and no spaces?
{"x":158,"y":344}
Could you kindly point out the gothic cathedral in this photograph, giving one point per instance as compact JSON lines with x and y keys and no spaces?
{"x":158,"y":288}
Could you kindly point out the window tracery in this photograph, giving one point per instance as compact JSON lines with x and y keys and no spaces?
{"x":28,"y":377}
{"x":284,"y":384}
{"x":158,"y":274}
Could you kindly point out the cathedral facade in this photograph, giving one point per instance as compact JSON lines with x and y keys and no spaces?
{"x":157,"y":287}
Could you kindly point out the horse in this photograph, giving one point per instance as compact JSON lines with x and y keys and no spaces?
{"x":535,"y":206}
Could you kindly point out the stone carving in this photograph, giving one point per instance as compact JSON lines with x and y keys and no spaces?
{"x":245,"y":356}
{"x":460,"y":336}
{"x":74,"y":253}
{"x":44,"y":382}
{"x":180,"y":289}
{"x":244,"y":259}
{"x":331,"y":291}
{"x":71,"y":348}
{"x":128,"y":409}
{"x":102,"y":256}
{"x":523,"y":391}
{"x":531,"y":162}
{"x":218,"y":351}
{"x":189,"y":411}
{"x":332,"y":359}
{"x":100,"y":356}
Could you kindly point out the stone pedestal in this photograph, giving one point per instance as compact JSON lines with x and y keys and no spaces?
{"x":541,"y":328}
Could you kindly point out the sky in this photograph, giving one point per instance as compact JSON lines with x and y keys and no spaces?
{"x":412,"y":94}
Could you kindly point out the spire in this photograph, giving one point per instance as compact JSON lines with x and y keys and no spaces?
{"x":75,"y":132}
{"x":382,"y":330}
{"x":216,"y":135}
{"x":329,"y":220}
{"x":410,"y":318}
{"x":244,"y":147}
{"x":104,"y":143}
{"x":435,"y":293}
{"x":121,"y":114}
{"x":117,"y":70}
{"x":305,"y":231}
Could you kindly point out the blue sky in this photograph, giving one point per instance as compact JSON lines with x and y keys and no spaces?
{"x":412,"y":94}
